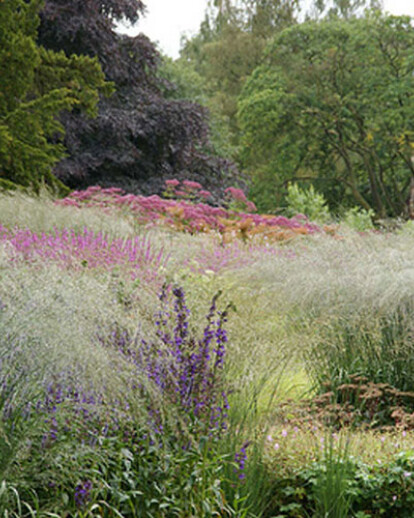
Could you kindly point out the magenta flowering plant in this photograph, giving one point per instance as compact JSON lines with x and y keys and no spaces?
{"x":86,"y":249}
{"x":188,"y":215}
{"x":192,"y":186}
{"x":237,"y":201}
{"x":187,"y":190}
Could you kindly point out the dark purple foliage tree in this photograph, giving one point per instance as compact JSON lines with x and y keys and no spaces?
{"x":139,"y":138}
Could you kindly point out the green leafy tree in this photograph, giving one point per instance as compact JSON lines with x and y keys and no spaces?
{"x":333,"y":104}
{"x":35,"y":86}
{"x":184,"y":83}
{"x":230,"y":45}
{"x":233,"y":36}
{"x":344,"y":9}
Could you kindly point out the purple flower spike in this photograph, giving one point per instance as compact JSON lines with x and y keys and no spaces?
{"x":83,"y":493}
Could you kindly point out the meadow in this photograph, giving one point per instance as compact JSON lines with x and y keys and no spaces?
{"x":161,"y":357}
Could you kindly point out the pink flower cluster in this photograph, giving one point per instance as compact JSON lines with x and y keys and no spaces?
{"x":180,"y":214}
{"x":189,"y":190}
{"x":236,"y":194}
{"x":86,"y":249}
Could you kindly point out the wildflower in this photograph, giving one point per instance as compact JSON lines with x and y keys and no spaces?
{"x":172,"y":183}
{"x":236,"y":194}
{"x":82,"y":493}
{"x":251,"y":207}
{"x":276,"y":446}
{"x":240,"y":459}
{"x":192,"y":185}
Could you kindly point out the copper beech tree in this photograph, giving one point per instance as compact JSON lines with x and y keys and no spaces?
{"x":140,"y":136}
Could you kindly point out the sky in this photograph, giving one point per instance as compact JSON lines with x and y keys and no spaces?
{"x":167,"y":20}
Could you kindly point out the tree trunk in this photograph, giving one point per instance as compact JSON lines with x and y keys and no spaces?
{"x":411,"y":200}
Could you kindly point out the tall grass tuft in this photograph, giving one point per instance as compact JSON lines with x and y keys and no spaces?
{"x":331,"y":486}
{"x":377,"y":348}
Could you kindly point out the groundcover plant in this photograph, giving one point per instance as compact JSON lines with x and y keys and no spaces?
{"x":150,"y":367}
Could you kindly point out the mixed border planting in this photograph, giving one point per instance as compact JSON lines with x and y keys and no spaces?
{"x":152,"y":368}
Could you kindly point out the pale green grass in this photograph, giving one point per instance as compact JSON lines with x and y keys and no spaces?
{"x":283,"y":301}
{"x":279,"y":300}
{"x":289,"y":446}
{"x":330,"y":275}
{"x":41,"y":214}
{"x":56,"y":317}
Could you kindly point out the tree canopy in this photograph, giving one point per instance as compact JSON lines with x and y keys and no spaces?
{"x":333,"y":104}
{"x":35,"y":86}
{"x":234,"y":34}
{"x":141,"y":135}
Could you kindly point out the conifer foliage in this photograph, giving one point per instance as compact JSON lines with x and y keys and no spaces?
{"x":35,"y":86}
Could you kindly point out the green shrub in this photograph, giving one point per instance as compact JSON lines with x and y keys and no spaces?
{"x":359,"y":219}
{"x":338,"y":485}
{"x":307,"y":202}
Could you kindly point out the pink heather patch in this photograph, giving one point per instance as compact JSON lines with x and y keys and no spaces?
{"x":204,"y":194}
{"x":182,"y":214}
{"x":86,"y":249}
{"x":172,"y":183}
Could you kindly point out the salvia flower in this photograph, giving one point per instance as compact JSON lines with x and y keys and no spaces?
{"x":83,"y":493}
{"x":188,"y":370}
{"x":240,"y":459}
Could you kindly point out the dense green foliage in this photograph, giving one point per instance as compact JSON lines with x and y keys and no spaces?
{"x":233,"y":36}
{"x":340,"y":486}
{"x":229,"y":46}
{"x":35,"y":86}
{"x":333,"y":104}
